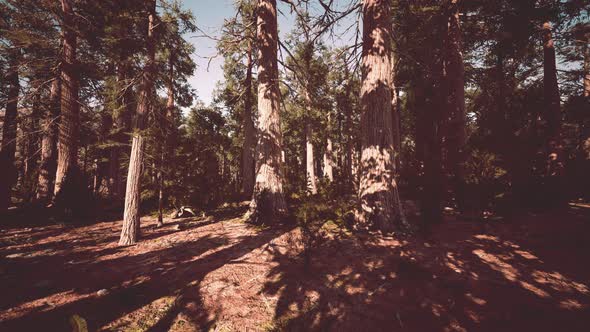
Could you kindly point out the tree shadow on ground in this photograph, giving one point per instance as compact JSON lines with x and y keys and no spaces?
{"x":521,"y":275}
{"x":69,"y":278}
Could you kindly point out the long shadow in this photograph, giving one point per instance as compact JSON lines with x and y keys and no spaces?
{"x":461,"y":279}
{"x":131,"y":281}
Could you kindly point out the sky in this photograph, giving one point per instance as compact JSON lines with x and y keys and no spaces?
{"x":209,"y":17}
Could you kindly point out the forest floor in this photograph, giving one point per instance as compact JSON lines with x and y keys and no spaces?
{"x":525,"y":273}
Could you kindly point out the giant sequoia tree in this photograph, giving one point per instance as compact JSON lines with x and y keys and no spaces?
{"x":69,"y":124}
{"x":457,"y":120}
{"x":379,"y":205}
{"x":268,"y":201}
{"x":8,"y":149}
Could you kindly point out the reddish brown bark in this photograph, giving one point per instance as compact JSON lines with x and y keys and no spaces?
{"x":377,"y":189}
{"x":268,"y":201}
{"x":7,"y":151}
{"x":69,"y":124}
{"x":131,"y":216}
{"x":249,"y":132}
{"x":48,"y":165}
{"x":456,"y":138}
{"x":586,"y":49}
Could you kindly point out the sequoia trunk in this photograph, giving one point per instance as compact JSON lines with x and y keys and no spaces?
{"x":49,"y":145}
{"x":268,"y":201}
{"x":249,"y":137}
{"x":69,"y":124}
{"x":377,"y":188}
{"x":8,"y":150}
{"x":456,"y":127}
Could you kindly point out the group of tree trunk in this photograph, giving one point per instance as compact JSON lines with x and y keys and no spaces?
{"x":438,"y":94}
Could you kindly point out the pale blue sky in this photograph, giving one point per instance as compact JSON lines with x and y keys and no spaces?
{"x":209,"y":16}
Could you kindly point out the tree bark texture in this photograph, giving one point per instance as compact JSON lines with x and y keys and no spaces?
{"x":48,"y":165}
{"x":552,"y":102}
{"x":268,"y":201}
{"x":329,"y":160}
{"x":69,"y":124}
{"x":248,"y":163}
{"x":131,"y":215}
{"x":311,"y":179}
{"x":456,"y":139}
{"x":8,"y":175}
{"x":167,"y":121}
{"x":377,"y":179}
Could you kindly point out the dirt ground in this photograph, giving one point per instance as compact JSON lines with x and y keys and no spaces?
{"x":524,"y":273}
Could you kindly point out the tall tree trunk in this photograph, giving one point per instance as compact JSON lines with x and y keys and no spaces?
{"x":121,"y":126}
{"x":32,"y":145}
{"x":166,"y":126}
{"x":249,"y":134}
{"x":377,"y":188}
{"x":586,"y":48}
{"x":309,"y":161}
{"x":48,"y":165}
{"x":268,"y":201}
{"x":69,"y":125}
{"x":8,"y":149}
{"x":121,"y":118}
{"x":395,"y":116}
{"x":348,"y":132}
{"x":552,"y":101}
{"x":131,"y":227}
{"x":329,"y":160}
{"x":586,"y":129}
{"x":457,"y":121}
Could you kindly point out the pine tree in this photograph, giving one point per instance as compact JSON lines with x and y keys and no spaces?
{"x":131,"y":216}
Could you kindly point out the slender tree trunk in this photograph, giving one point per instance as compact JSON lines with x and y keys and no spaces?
{"x":586,"y":129}
{"x":69,"y":125}
{"x":552,"y":101}
{"x":457,"y":121}
{"x":249,"y":134}
{"x":166,"y":126}
{"x":268,"y":201}
{"x":348,"y":132}
{"x":48,"y":165}
{"x":32,"y":147}
{"x":121,"y":126}
{"x":8,"y":149}
{"x":377,"y":188}
{"x":328,"y":160}
{"x":131,"y":228}
{"x":586,"y":49}
{"x":309,"y":161}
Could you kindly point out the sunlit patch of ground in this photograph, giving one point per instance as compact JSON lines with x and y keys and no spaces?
{"x":217,"y":273}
